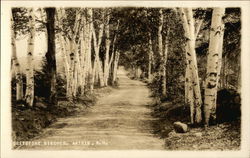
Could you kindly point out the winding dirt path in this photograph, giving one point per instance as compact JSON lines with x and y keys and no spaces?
{"x":120,"y":120}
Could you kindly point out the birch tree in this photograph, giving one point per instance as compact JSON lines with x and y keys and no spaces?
{"x":97,"y":43}
{"x":29,"y":96}
{"x":115,"y":67}
{"x":16,"y":64}
{"x":88,"y":48}
{"x":112,"y":60}
{"x":192,"y":77}
{"x":164,"y":75}
{"x":107,"y":47}
{"x":63,"y":47}
{"x":213,"y":63}
{"x":160,"y":49}
{"x":150,"y":58}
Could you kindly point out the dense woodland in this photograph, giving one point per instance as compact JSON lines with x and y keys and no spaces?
{"x":190,"y":57}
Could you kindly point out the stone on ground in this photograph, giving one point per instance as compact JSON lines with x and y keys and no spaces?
{"x":180,"y":127}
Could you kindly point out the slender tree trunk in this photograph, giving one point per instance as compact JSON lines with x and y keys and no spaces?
{"x":160,"y":33}
{"x":160,"y":49}
{"x":113,"y":53}
{"x":150,"y":57}
{"x":83,"y":56}
{"x":116,"y":60}
{"x":92,"y":80}
{"x":213,"y":63}
{"x":100,"y":72}
{"x":91,"y":69}
{"x":188,"y":25}
{"x":29,"y":96}
{"x":107,"y":45}
{"x":164,"y":75}
{"x":97,"y":44}
{"x":71,"y":71}
{"x":73,"y":64}
{"x":190,"y":94}
{"x":16,"y":65}
{"x":51,"y":54}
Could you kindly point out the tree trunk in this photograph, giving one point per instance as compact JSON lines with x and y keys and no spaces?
{"x":83,"y":57}
{"x":16,"y":65}
{"x":113,"y":52}
{"x":160,"y":34}
{"x":51,"y":54}
{"x":160,"y":49}
{"x":188,"y":25}
{"x":97,"y":44}
{"x":72,"y":85}
{"x":164,"y":75}
{"x":29,"y":96}
{"x":213,"y":63}
{"x":116,"y":60}
{"x":107,"y":45}
{"x":150,"y":57}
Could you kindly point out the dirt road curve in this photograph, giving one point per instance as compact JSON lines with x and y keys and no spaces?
{"x":120,"y":120}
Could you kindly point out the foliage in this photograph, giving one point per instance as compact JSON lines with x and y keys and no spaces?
{"x":21,"y":19}
{"x":42,"y":83}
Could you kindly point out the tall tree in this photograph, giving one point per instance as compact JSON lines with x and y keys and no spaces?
{"x":213,"y":63}
{"x":114,"y":59}
{"x":16,"y":64}
{"x":164,"y":67}
{"x":150,"y":58}
{"x":51,"y":54}
{"x":160,"y":49}
{"x":29,"y":96}
{"x":63,"y":46}
{"x":97,"y":40}
{"x":192,"y":72}
{"x":115,"y":67}
{"x":107,"y":48}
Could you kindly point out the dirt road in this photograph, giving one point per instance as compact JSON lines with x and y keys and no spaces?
{"x":120,"y":120}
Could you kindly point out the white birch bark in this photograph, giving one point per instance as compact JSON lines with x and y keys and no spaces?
{"x":164,"y":75}
{"x":107,"y":47}
{"x":83,"y":56}
{"x":91,"y":69}
{"x":113,"y":51}
{"x":160,"y":49}
{"x":116,"y":60}
{"x":29,"y":96}
{"x":150,"y":58}
{"x":97,"y":44}
{"x":16,"y":65}
{"x":213,"y":63}
{"x":64,"y":49}
{"x":188,"y":25}
{"x":73,"y":70}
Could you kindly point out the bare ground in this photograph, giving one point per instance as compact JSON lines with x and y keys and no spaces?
{"x":120,"y":120}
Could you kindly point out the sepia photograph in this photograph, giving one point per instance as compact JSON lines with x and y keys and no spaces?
{"x":126,"y":77}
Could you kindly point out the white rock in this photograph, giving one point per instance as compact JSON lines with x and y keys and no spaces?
{"x":180,"y":127}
